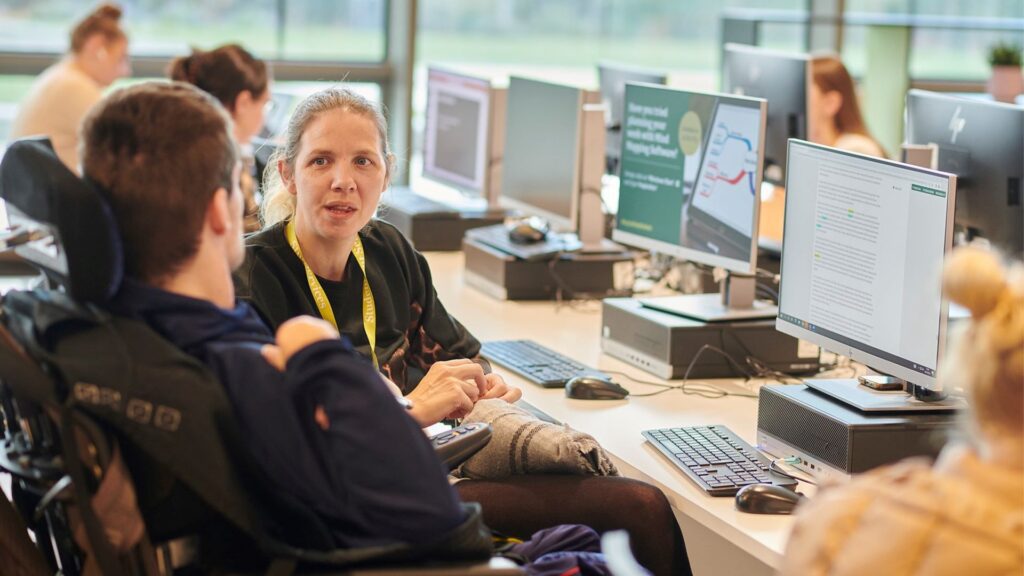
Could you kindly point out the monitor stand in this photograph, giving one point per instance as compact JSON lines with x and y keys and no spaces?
{"x":735,"y":302}
{"x":852,"y":393}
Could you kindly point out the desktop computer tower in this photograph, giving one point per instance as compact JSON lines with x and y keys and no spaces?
{"x":506,"y":277}
{"x":431,"y":226}
{"x":833,"y":440}
{"x":665,"y":344}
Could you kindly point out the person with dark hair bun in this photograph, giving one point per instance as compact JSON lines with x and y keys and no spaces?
{"x":64,"y":92}
{"x":241,"y":82}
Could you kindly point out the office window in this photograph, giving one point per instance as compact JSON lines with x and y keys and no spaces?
{"x":563,"y":39}
{"x":939,"y":53}
{"x":348,"y":30}
{"x":283,"y":30}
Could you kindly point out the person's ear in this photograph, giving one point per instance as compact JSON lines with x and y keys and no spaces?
{"x":287,"y":177}
{"x":218,"y":212}
{"x":833,"y":102}
{"x":243,"y":101}
{"x":389,"y":163}
{"x":97,"y":46}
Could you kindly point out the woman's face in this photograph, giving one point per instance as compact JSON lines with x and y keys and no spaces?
{"x":823,"y":107}
{"x":339,"y":175}
{"x":113,"y":61}
{"x":248,"y":114}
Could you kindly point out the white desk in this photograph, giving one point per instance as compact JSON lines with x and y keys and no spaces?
{"x":719,"y":539}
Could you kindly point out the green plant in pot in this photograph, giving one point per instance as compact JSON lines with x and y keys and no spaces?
{"x":1007,"y":80}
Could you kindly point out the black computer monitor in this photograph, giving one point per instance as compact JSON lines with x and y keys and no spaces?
{"x":862,"y":257}
{"x":612,"y":79}
{"x":457,"y":142}
{"x":982,"y":143}
{"x":783,"y":79}
{"x":543,"y":143}
{"x":666,"y":134}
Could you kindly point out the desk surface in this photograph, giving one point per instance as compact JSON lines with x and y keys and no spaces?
{"x":574,"y":330}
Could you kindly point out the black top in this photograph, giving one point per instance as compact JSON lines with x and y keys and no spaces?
{"x":413,"y":328}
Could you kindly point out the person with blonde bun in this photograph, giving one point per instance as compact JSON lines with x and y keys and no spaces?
{"x":241,"y":82}
{"x":964,"y":514}
{"x":60,"y":97}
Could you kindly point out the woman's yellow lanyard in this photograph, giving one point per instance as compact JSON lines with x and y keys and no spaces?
{"x":324,"y":305}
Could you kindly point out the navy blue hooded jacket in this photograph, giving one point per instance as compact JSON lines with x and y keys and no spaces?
{"x":372,"y":475}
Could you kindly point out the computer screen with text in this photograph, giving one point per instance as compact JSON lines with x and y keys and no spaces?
{"x":455,"y":139}
{"x":862,"y":256}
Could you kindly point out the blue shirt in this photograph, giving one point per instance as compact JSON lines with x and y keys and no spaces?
{"x":372,"y":476}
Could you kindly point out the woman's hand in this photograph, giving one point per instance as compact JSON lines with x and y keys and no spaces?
{"x":497,"y":388}
{"x":449,"y":390}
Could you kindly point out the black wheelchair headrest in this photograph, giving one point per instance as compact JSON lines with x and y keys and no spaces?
{"x":37,"y":184}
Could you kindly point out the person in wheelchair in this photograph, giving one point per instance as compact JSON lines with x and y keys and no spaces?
{"x":315,"y":416}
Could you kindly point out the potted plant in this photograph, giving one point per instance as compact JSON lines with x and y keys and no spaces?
{"x":1007,"y":80}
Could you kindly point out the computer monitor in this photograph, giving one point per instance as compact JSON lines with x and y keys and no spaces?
{"x":544,"y":150}
{"x":668,"y":133}
{"x":457,"y":142}
{"x":612,"y":79}
{"x":983,"y":144}
{"x":862,"y":256}
{"x":783,"y":79}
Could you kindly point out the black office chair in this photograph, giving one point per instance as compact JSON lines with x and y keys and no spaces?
{"x":123,"y":450}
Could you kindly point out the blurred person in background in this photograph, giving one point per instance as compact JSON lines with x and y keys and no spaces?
{"x":60,"y":97}
{"x":241,"y":82}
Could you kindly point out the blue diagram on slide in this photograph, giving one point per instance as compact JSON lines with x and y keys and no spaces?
{"x":725,"y":187}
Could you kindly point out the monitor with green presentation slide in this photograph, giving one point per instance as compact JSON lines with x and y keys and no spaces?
{"x":689,"y":177}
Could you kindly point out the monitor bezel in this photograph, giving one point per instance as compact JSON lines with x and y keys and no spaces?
{"x":445,"y":178}
{"x":675,"y":250}
{"x":808,"y":61}
{"x":557,"y":222}
{"x":851,"y":350}
{"x":975,"y":199}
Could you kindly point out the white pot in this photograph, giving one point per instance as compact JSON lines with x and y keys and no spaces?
{"x":1006,"y":83}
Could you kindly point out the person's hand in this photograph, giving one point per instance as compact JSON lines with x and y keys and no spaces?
{"x":498,"y":388}
{"x":448,"y":390}
{"x":294,"y":335}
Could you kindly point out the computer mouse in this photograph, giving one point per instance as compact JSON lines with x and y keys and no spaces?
{"x":767,"y":499}
{"x":594,"y":388}
{"x":527,"y":232}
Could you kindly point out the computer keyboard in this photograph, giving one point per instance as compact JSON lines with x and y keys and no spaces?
{"x":538,"y":364}
{"x":715,"y":458}
{"x":497,"y":237}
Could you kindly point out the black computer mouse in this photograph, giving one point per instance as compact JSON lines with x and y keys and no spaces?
{"x":527,"y":232}
{"x":767,"y":499}
{"x":594,"y":388}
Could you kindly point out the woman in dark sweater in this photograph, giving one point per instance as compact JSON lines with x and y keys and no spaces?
{"x":322,"y":253}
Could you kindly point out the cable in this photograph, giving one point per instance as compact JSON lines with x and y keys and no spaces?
{"x":774,"y":467}
{"x":693,"y":388}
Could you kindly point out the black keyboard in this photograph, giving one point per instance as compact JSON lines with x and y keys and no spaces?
{"x":715,"y":458}
{"x":497,"y":237}
{"x":538,"y":364}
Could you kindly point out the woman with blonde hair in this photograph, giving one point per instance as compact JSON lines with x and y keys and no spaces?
{"x":835,"y":118}
{"x":241,"y":82}
{"x":964,"y":514}
{"x":324,"y":254}
{"x":64,"y":92}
